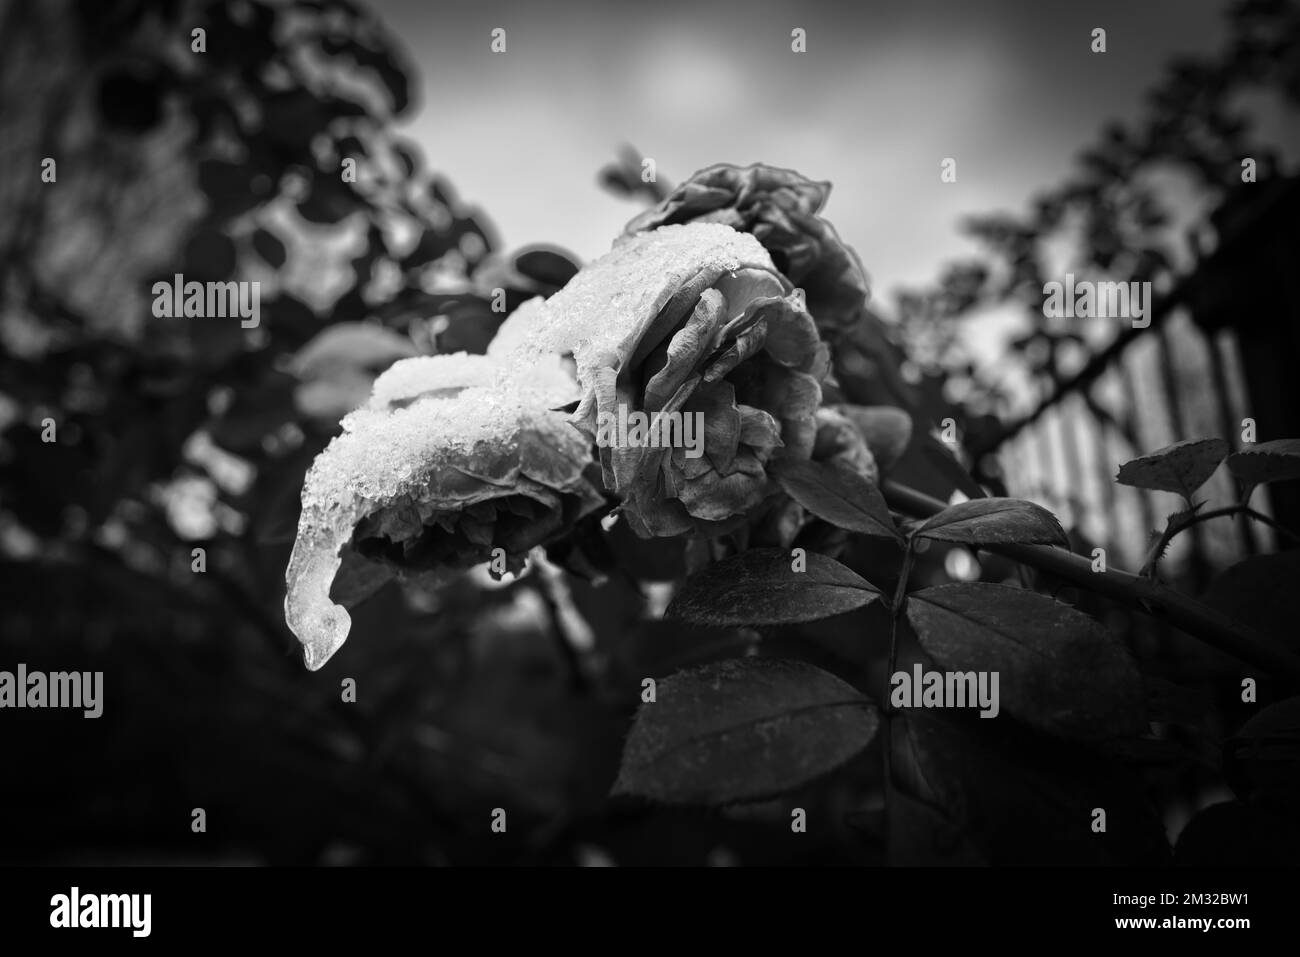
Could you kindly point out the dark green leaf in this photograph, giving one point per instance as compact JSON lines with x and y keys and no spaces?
{"x":1280,"y":721}
{"x":837,"y":494}
{"x":760,"y":587}
{"x":1058,"y":669}
{"x":989,"y":521}
{"x":742,"y":730}
{"x":1263,"y":757}
{"x":1020,"y":801}
{"x":1182,"y":467}
{"x":940,"y":472}
{"x":1274,"y":461}
{"x":1261,"y":592}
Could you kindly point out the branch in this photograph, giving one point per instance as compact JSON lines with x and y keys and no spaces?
{"x":1272,"y":523}
{"x":1173,"y":528}
{"x":1202,"y":622}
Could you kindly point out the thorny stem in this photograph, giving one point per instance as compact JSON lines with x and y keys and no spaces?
{"x":1202,"y":622}
{"x":1173,"y":528}
{"x":1271,"y":523}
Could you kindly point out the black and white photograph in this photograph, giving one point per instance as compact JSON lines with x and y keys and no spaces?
{"x":445,"y":438}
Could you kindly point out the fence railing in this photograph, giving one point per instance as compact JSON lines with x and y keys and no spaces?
{"x":1183,"y":376}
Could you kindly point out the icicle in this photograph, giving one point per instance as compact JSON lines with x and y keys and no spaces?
{"x":315,"y":620}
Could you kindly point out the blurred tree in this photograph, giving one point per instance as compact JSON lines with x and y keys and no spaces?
{"x":225,"y":154}
{"x":1136,"y":208}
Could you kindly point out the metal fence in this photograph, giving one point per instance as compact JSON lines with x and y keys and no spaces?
{"x":1221,"y":348}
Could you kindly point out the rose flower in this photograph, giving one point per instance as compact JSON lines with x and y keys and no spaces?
{"x":779,"y":207}
{"x":692,"y":334}
{"x":448,"y":462}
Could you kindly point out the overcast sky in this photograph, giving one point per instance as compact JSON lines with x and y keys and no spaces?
{"x":884,"y":92}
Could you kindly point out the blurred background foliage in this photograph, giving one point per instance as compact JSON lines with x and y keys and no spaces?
{"x":183,"y":434}
{"x":1165,"y":198}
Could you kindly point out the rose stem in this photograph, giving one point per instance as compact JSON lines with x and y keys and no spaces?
{"x":1196,"y":619}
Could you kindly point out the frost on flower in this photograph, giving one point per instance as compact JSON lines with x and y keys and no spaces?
{"x":449,"y":460}
{"x":691,"y":319}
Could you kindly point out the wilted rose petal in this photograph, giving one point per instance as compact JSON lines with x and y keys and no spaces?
{"x":448,"y":461}
{"x":779,"y":207}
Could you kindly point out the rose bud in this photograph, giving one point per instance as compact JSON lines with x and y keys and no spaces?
{"x":839,"y":440}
